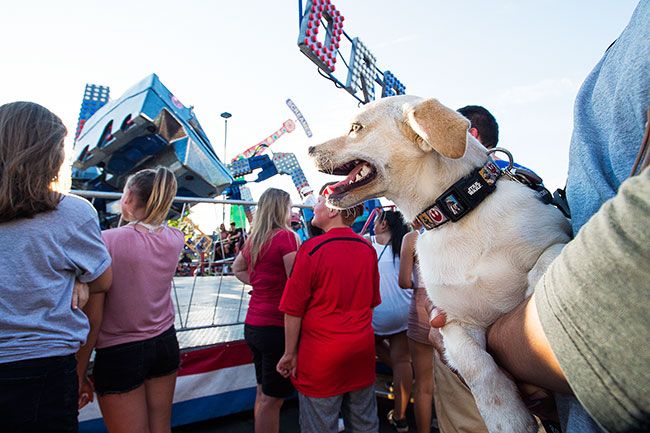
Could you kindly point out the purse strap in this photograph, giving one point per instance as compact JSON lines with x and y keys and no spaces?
{"x":643,"y":157}
{"x":383,"y":251}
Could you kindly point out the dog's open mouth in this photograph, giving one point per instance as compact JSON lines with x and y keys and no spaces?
{"x":358,"y":173}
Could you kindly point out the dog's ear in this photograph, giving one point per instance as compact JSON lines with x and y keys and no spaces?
{"x":440,"y":128}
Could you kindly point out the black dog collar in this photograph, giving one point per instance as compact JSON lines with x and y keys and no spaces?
{"x":463,"y":196}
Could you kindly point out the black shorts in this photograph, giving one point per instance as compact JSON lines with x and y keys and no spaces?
{"x":267,"y":345}
{"x":124,"y":367}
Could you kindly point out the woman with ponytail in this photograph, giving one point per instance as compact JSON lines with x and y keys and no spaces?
{"x":265,"y":263}
{"x":137,"y":352}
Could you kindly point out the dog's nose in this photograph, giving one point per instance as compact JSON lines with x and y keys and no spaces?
{"x":311,"y":150}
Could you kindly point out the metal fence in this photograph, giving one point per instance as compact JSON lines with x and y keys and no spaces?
{"x":210,"y":303}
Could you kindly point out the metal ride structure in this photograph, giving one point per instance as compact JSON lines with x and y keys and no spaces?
{"x":254,"y":158}
{"x":146,"y":127}
{"x":320,"y":39}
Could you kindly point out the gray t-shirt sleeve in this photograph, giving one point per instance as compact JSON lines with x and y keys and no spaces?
{"x":85,"y":249}
{"x":593,"y":305}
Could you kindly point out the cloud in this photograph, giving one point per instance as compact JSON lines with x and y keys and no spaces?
{"x":540,"y":91}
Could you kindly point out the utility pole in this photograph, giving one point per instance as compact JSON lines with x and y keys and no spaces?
{"x":225,"y":116}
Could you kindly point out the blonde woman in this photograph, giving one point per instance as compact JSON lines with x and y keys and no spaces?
{"x":265,"y":263}
{"x":48,"y":241}
{"x":137,"y":351}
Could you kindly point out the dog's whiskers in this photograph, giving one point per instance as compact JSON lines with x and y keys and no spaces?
{"x":330,"y":163}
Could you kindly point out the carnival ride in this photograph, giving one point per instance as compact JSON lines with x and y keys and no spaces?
{"x":145,"y":127}
{"x":254,"y":158}
{"x":149,"y":126}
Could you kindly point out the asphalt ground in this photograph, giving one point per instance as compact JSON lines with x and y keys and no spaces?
{"x":243,"y":422}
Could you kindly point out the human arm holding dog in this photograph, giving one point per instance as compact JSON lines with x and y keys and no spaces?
{"x":518,"y":344}
{"x":562,"y":330}
{"x":562,"y":333}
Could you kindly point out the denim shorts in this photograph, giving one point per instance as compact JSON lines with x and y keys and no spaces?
{"x":124,"y":367}
{"x":39,"y":395}
{"x":267,"y":345}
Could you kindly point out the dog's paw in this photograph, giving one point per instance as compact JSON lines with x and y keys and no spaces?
{"x":510,"y":420}
{"x":501,"y":407}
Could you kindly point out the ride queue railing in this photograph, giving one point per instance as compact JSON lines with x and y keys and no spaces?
{"x":211,"y":271}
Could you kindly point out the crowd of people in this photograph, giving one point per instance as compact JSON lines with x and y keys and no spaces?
{"x":313,"y":325}
{"x":211,"y":255}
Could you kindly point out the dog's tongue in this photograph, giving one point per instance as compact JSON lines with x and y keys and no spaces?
{"x":349,"y":179}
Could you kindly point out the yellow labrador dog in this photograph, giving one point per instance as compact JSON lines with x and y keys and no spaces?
{"x":490,"y":238}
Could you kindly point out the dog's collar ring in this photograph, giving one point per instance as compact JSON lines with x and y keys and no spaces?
{"x":508,"y":154}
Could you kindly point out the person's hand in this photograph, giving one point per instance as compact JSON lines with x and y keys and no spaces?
{"x":435,"y":338}
{"x":80,"y":294}
{"x":438,"y":318}
{"x":287,"y":365}
{"x":86,"y":392}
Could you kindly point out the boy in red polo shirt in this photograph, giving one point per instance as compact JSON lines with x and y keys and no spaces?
{"x":328,"y":303}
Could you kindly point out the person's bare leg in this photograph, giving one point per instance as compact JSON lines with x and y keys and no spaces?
{"x":267,"y":414}
{"x":402,"y":372}
{"x":160,"y":395}
{"x":125,"y":413}
{"x":258,"y":400}
{"x":422,"y":356}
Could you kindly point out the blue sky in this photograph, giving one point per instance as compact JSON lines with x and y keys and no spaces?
{"x":523,"y":60}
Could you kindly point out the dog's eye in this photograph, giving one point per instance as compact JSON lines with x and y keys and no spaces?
{"x":356,"y":127}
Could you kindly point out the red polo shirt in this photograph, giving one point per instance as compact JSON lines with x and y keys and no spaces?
{"x":334,"y":286}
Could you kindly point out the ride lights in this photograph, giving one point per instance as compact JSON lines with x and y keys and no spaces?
{"x":321,"y":49}
{"x":392,"y":86}
{"x":321,"y":28}
{"x":362,"y":72}
{"x":95,"y":97}
{"x":287,"y":163}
